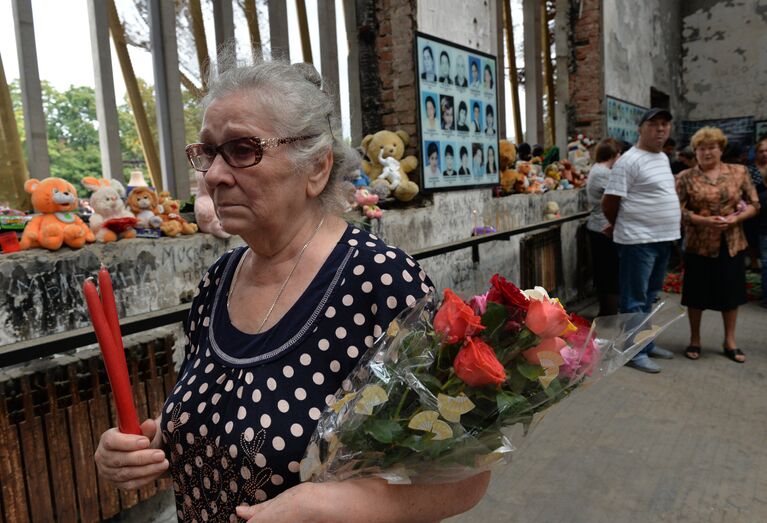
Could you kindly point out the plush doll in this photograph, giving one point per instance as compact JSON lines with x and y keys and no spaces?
{"x":552,"y":176}
{"x":205,"y":212}
{"x":368,"y":201}
{"x":172,"y":222}
{"x":144,"y":204}
{"x":534,"y":183}
{"x":110,"y":217}
{"x":507,"y":155}
{"x":58,"y":224}
{"x":388,"y":144}
{"x":552,"y":211}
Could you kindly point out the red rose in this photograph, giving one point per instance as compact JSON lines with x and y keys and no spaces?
{"x":506,"y":293}
{"x":477,"y":365}
{"x":455,"y":319}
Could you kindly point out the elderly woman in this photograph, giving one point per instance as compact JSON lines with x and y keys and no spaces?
{"x":716,"y":198}
{"x":276,"y":325}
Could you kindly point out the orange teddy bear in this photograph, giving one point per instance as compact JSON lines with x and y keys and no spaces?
{"x":58,"y":224}
{"x":172,"y":222}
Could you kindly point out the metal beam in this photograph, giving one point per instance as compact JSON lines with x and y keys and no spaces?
{"x":106,"y":103}
{"x":326,"y":10}
{"x":278,"y":29}
{"x":170,"y":110}
{"x":531,"y":11}
{"x":353,"y":70}
{"x":38,"y":161}
{"x":500,"y":84}
{"x":562,"y":94}
{"x":223,"y":22}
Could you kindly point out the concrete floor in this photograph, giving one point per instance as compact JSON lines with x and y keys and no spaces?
{"x":686,"y":445}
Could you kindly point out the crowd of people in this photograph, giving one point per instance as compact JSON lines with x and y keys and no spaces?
{"x":651,"y":199}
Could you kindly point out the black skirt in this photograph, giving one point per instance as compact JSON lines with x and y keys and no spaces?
{"x":604,"y":260}
{"x":717,"y":284}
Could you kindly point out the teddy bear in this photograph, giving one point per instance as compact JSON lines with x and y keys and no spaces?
{"x":552,"y":211}
{"x":368,"y":201}
{"x":205,"y":212}
{"x":534,"y":184}
{"x":143,"y":202}
{"x":507,"y":155}
{"x":110,"y":218}
{"x":385,"y":145}
{"x":57,"y":224}
{"x":172,"y":222}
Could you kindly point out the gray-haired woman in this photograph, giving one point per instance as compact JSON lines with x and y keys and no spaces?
{"x":277,"y":325}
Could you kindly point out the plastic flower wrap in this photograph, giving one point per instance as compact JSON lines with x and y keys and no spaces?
{"x":444,"y":391}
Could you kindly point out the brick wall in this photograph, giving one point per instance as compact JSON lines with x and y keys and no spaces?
{"x":587,"y":80}
{"x":394,"y":45}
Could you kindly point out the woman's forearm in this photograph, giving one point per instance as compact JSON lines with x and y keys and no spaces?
{"x":374,"y":500}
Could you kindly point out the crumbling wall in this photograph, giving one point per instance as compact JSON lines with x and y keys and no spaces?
{"x":642,"y":46}
{"x":724,"y":56}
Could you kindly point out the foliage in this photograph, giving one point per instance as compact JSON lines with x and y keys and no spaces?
{"x":72,"y":128}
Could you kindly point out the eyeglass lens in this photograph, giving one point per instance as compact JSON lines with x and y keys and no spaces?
{"x":242,"y":152}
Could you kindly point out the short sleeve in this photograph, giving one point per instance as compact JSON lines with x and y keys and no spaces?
{"x":619,"y":182}
{"x":748,"y":189}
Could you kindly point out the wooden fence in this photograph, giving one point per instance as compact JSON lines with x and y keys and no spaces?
{"x":50,"y":424}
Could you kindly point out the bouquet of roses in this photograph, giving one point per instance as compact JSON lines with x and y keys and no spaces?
{"x":438,"y":396}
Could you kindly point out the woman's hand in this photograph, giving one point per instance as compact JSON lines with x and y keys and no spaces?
{"x":371,"y":500}
{"x":717,"y":222}
{"x":129,"y":461}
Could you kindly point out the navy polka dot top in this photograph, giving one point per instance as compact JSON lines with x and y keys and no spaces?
{"x":240,"y":417}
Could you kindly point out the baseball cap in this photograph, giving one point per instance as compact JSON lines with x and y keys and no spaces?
{"x":652,"y":113}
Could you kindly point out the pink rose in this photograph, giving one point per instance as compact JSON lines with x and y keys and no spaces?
{"x":546,"y":345}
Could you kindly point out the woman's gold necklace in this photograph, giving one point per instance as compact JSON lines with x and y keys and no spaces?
{"x":284,"y":284}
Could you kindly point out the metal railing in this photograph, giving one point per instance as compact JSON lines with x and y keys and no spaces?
{"x":28,"y":350}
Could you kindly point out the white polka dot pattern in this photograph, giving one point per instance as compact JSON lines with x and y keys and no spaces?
{"x":249,"y":425}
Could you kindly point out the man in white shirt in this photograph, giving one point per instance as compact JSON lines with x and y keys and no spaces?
{"x":641,"y":204}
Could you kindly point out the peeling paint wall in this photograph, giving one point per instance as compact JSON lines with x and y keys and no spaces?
{"x":724,"y":52}
{"x":642,"y":45}
{"x":472,"y":24}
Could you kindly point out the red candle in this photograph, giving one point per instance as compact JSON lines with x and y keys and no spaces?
{"x":110,"y":307}
{"x":114,"y":360}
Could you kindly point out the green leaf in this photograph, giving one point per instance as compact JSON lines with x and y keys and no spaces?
{"x":510,"y":404}
{"x":494,"y":317}
{"x":554,"y":390}
{"x":383,"y":430}
{"x":430,"y":382}
{"x":531,"y":372}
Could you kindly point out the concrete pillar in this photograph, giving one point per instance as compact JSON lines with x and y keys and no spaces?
{"x":353,"y":68}
{"x":278,"y":29}
{"x":31,"y":95}
{"x":326,"y":10}
{"x":106,"y":104}
{"x":170,"y":111}
{"x":562,"y":88}
{"x":223,"y":23}
{"x":531,"y":11}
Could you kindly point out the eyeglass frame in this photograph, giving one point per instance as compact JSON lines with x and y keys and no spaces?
{"x":264,"y":143}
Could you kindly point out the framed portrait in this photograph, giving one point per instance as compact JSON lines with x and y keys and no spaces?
{"x":623,"y":119}
{"x":760,"y":130}
{"x":457,"y":115}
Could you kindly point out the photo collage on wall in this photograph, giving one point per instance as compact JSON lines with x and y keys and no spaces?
{"x":623,"y":120}
{"x":457,"y":115}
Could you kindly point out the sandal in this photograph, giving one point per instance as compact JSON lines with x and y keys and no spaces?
{"x":692,"y":352}
{"x":733,"y":354}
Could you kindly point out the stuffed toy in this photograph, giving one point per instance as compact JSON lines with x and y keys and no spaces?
{"x":58,"y":224}
{"x":143,"y":202}
{"x":572,"y":175}
{"x":205,"y":212}
{"x":552,"y":211}
{"x":507,"y":155}
{"x":110,"y":217}
{"x":172,"y":222}
{"x":512,"y":181}
{"x":368,"y":201}
{"x":552,"y":176}
{"x":534,"y":183}
{"x":388,"y":144}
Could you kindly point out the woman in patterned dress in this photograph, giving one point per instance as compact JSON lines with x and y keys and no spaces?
{"x":276,"y":325}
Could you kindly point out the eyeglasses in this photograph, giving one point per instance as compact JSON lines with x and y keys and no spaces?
{"x":238,"y":153}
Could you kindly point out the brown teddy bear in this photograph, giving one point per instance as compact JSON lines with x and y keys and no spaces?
{"x":143,"y":202}
{"x":58,"y":224}
{"x":507,"y":155}
{"x":172,"y":222}
{"x":386,"y":167}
